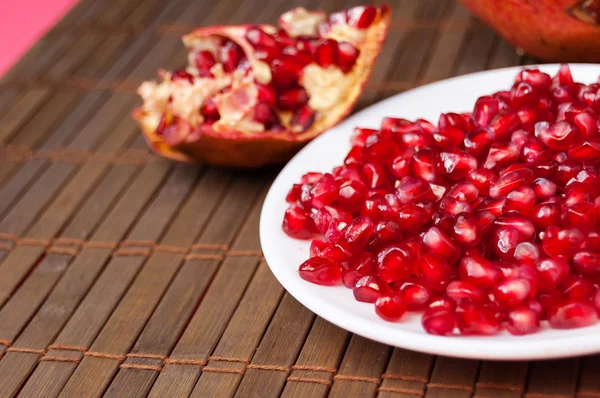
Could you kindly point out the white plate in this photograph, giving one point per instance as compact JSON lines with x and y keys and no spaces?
{"x":337,"y":304}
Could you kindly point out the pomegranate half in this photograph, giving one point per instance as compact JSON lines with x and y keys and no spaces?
{"x":253,"y":95}
{"x":553,"y":30}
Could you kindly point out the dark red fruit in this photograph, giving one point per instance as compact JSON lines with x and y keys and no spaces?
{"x":321,"y":271}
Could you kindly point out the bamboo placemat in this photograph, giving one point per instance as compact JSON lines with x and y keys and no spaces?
{"x":125,"y":275}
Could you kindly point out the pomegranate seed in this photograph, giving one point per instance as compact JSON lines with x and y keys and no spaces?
{"x":369,"y":288}
{"x":483,"y":179}
{"x":324,"y":192}
{"x":522,"y":94}
{"x":327,"y":215}
{"x":358,"y":233}
{"x":293,"y":99}
{"x":511,"y":293}
{"x":476,"y":269}
{"x":321,"y":271}
{"x":441,"y":244}
{"x":486,"y":108}
{"x":538,"y":80}
{"x":439,"y":321}
{"x":204,"y":60}
{"x":581,"y":216}
{"x":501,"y":154}
{"x":511,"y":181}
{"x":296,"y":223}
{"x":559,"y":136}
{"x":448,"y":139}
{"x":230,"y":56}
{"x":326,"y":53}
{"x":416,"y":296}
{"x":351,"y":195}
{"x":543,"y":188}
{"x":414,"y":190}
{"x":390,"y":308}
{"x":572,"y":314}
{"x":504,"y":124}
{"x":587,"y":263}
{"x":520,"y":200}
{"x":346,"y":56}
{"x":434,"y":272}
{"x":466,"y":230}
{"x":479,"y":141}
{"x":522,"y":225}
{"x":523,"y":320}
{"x":395,"y":263}
{"x":182,"y":75}
{"x":210,"y":111}
{"x":527,"y":253}
{"x":411,"y":217}
{"x":577,"y":288}
{"x":462,"y":290}
{"x":258,"y":38}
{"x":285,"y":73}
{"x":545,"y":215}
{"x":472,"y":319}
{"x":361,"y":17}
{"x":565,"y":242}
{"x":457,"y":164}
{"x":303,"y":119}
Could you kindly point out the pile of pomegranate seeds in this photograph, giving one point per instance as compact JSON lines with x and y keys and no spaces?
{"x":488,"y":221}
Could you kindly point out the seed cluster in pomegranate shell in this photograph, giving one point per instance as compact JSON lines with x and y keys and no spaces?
{"x":252,"y":95}
{"x":487,"y":221}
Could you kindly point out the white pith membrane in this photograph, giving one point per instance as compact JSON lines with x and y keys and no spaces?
{"x":177,"y":100}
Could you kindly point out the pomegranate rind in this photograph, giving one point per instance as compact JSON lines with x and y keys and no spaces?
{"x":242,"y":150}
{"x":553,"y":30}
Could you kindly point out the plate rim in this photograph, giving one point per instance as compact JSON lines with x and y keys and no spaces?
{"x":471,"y":347}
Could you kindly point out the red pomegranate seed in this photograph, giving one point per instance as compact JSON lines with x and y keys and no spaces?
{"x":352,"y":195}
{"x":303,"y":119}
{"x":577,"y":287}
{"x":545,"y":215}
{"x":327,"y":215}
{"x":361,"y":17}
{"x":434,"y":272}
{"x":543,"y":188}
{"x":565,"y":242}
{"x":466,"y":230}
{"x":501,"y":154}
{"x":449,"y":139}
{"x":462,"y":290}
{"x":479,"y":141}
{"x":486,"y":108}
{"x":375,"y":175}
{"x":581,"y":216}
{"x":505,"y":241}
{"x":417,"y":296}
{"x":204,"y":61}
{"x":587,"y":263}
{"x":534,"y":152}
{"x":441,"y":244}
{"x":464,"y":191}
{"x":182,"y":75}
{"x":511,"y":181}
{"x":230,"y":56}
{"x":259,"y":38}
{"x":297,"y":224}
{"x":439,"y":321}
{"x":321,"y":271}
{"x":522,"y":94}
{"x":478,"y":270}
{"x":324,"y":192}
{"x":504,"y":124}
{"x":523,"y":320}
{"x":346,"y":56}
{"x":525,"y":228}
{"x":552,"y":271}
{"x":539,"y":80}
{"x":395,"y":263}
{"x":559,"y":136}
{"x":572,"y":314}
{"x":285,"y":73}
{"x":511,"y":293}
{"x":414,"y":190}
{"x":262,"y":113}
{"x":457,"y":164}
{"x":390,"y":308}
{"x":369,"y":288}
{"x":293,"y":99}
{"x":358,"y":232}
{"x":483,"y":179}
{"x":210,"y":111}
{"x":326,"y":53}
{"x":411,"y":217}
{"x":527,"y":253}
{"x":520,"y":200}
{"x":472,"y":319}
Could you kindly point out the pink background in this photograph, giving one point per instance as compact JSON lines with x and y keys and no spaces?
{"x":23,"y":22}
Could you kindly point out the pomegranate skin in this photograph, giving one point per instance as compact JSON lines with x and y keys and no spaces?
{"x":250,"y":151}
{"x":553,"y":30}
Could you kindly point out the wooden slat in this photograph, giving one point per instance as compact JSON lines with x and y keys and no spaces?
{"x":553,"y":378}
{"x":501,"y":379}
{"x":452,"y":377}
{"x":407,"y":373}
{"x":205,"y":328}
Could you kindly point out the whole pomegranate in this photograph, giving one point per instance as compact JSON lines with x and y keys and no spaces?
{"x":252,"y":95}
{"x":554,"y":30}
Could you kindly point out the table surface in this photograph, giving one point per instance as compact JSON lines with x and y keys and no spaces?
{"x":126,"y":275}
